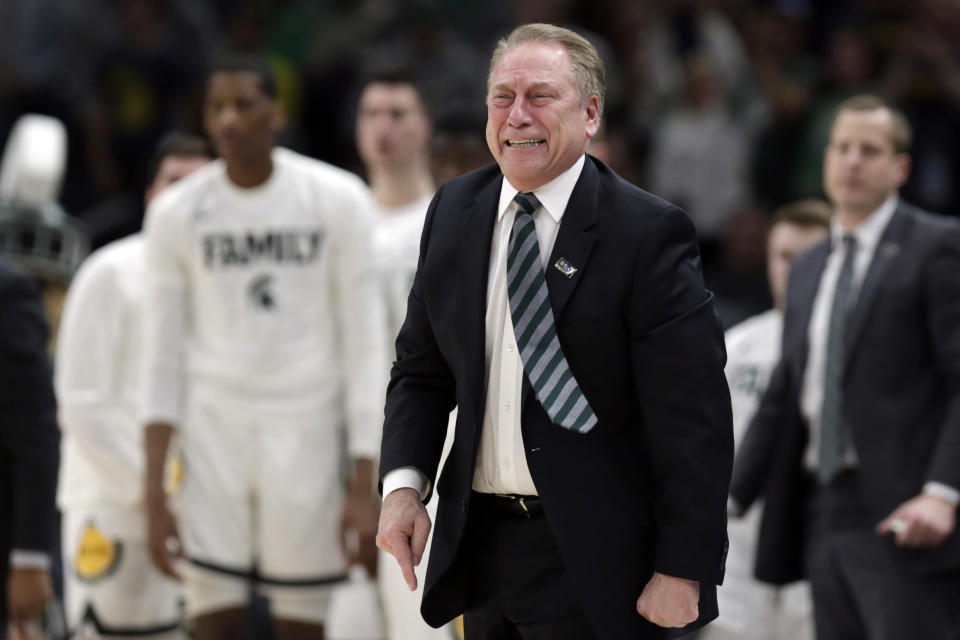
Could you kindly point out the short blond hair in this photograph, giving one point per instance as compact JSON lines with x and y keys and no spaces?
{"x":901,"y":135}
{"x":808,"y":213}
{"x":588,"y":73}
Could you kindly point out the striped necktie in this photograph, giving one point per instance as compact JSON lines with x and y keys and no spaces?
{"x":533,"y":323}
{"x":833,"y":430}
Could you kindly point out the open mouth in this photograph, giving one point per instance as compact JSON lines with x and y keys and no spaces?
{"x":523,"y":143}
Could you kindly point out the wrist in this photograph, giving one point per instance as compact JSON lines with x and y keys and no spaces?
{"x":940,"y":500}
{"x":403,"y":492}
{"x":362,"y":482}
{"x":944,"y":492}
{"x":360,"y":490}
{"x":155,"y":493}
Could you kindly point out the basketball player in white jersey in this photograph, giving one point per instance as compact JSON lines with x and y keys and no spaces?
{"x":111,"y":587}
{"x":751,"y":610}
{"x":264,"y":335}
{"x":393,"y":140}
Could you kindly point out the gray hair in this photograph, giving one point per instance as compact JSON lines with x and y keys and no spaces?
{"x":588,"y":73}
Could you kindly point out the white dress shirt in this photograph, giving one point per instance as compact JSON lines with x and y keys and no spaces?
{"x":501,"y":465}
{"x":97,"y":377}
{"x":868,"y":236}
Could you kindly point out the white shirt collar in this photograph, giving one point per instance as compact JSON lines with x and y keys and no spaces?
{"x":869,"y":231}
{"x":554,"y":195}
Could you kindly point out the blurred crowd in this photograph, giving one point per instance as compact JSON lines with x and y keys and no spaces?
{"x":719,"y":105}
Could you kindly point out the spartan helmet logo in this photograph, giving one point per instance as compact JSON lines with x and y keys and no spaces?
{"x":260,"y":292}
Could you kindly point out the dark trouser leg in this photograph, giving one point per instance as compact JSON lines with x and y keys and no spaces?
{"x":226,"y":624}
{"x":518,"y":588}
{"x":860,"y":590}
{"x":485,"y":623}
{"x":295,"y":630}
{"x":835,"y":611}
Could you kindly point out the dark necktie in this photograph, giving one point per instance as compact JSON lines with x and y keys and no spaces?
{"x":833,"y":436}
{"x":533,"y":323}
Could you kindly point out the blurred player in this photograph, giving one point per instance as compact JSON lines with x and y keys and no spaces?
{"x":393,"y":140}
{"x":750,"y":610}
{"x":264,"y":334}
{"x":111,"y":587}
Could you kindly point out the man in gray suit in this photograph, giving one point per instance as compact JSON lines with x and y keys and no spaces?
{"x":856,"y":444}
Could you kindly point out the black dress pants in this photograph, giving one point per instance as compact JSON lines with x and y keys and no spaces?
{"x":517,"y":586}
{"x":860,"y":591}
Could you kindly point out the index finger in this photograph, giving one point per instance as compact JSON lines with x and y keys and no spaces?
{"x":400,"y":548}
{"x":893,"y":523}
{"x":421,"y":532}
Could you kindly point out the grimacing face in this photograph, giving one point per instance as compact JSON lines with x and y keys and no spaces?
{"x":392,"y":124}
{"x":537,"y":126}
{"x":241,"y":120}
{"x":861,"y":168}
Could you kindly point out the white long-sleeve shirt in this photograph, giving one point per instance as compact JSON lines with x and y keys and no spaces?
{"x":97,"y":380}
{"x":397,"y":246}
{"x":868,"y":237}
{"x":269,"y":294}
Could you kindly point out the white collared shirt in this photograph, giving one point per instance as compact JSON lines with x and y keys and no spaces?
{"x":501,"y":465}
{"x":867,"y":235}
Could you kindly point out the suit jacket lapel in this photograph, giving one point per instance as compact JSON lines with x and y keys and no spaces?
{"x":574,"y":243}
{"x":884,"y":257}
{"x":475,"y":238}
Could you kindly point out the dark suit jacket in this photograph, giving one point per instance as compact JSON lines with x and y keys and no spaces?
{"x":29,"y":437}
{"x":901,"y":391}
{"x":644,"y":489}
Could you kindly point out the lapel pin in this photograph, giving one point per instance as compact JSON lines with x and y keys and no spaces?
{"x":565,"y":267}
{"x":889,"y":249}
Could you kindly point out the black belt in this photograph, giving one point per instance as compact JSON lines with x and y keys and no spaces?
{"x":510,"y":504}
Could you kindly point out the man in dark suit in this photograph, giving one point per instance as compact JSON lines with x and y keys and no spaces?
{"x":591,"y":507}
{"x":29,"y":453}
{"x":856,"y":445}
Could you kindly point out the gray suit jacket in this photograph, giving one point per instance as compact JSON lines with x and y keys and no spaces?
{"x":901,"y":391}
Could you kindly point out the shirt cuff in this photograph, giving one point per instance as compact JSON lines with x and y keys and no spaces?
{"x":406,"y":478}
{"x":941,"y":490}
{"x":20,"y":559}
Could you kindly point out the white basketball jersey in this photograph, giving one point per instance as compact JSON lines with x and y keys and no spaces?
{"x":97,"y":379}
{"x":397,"y":245}
{"x":753,"y":350}
{"x":268,"y":293}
